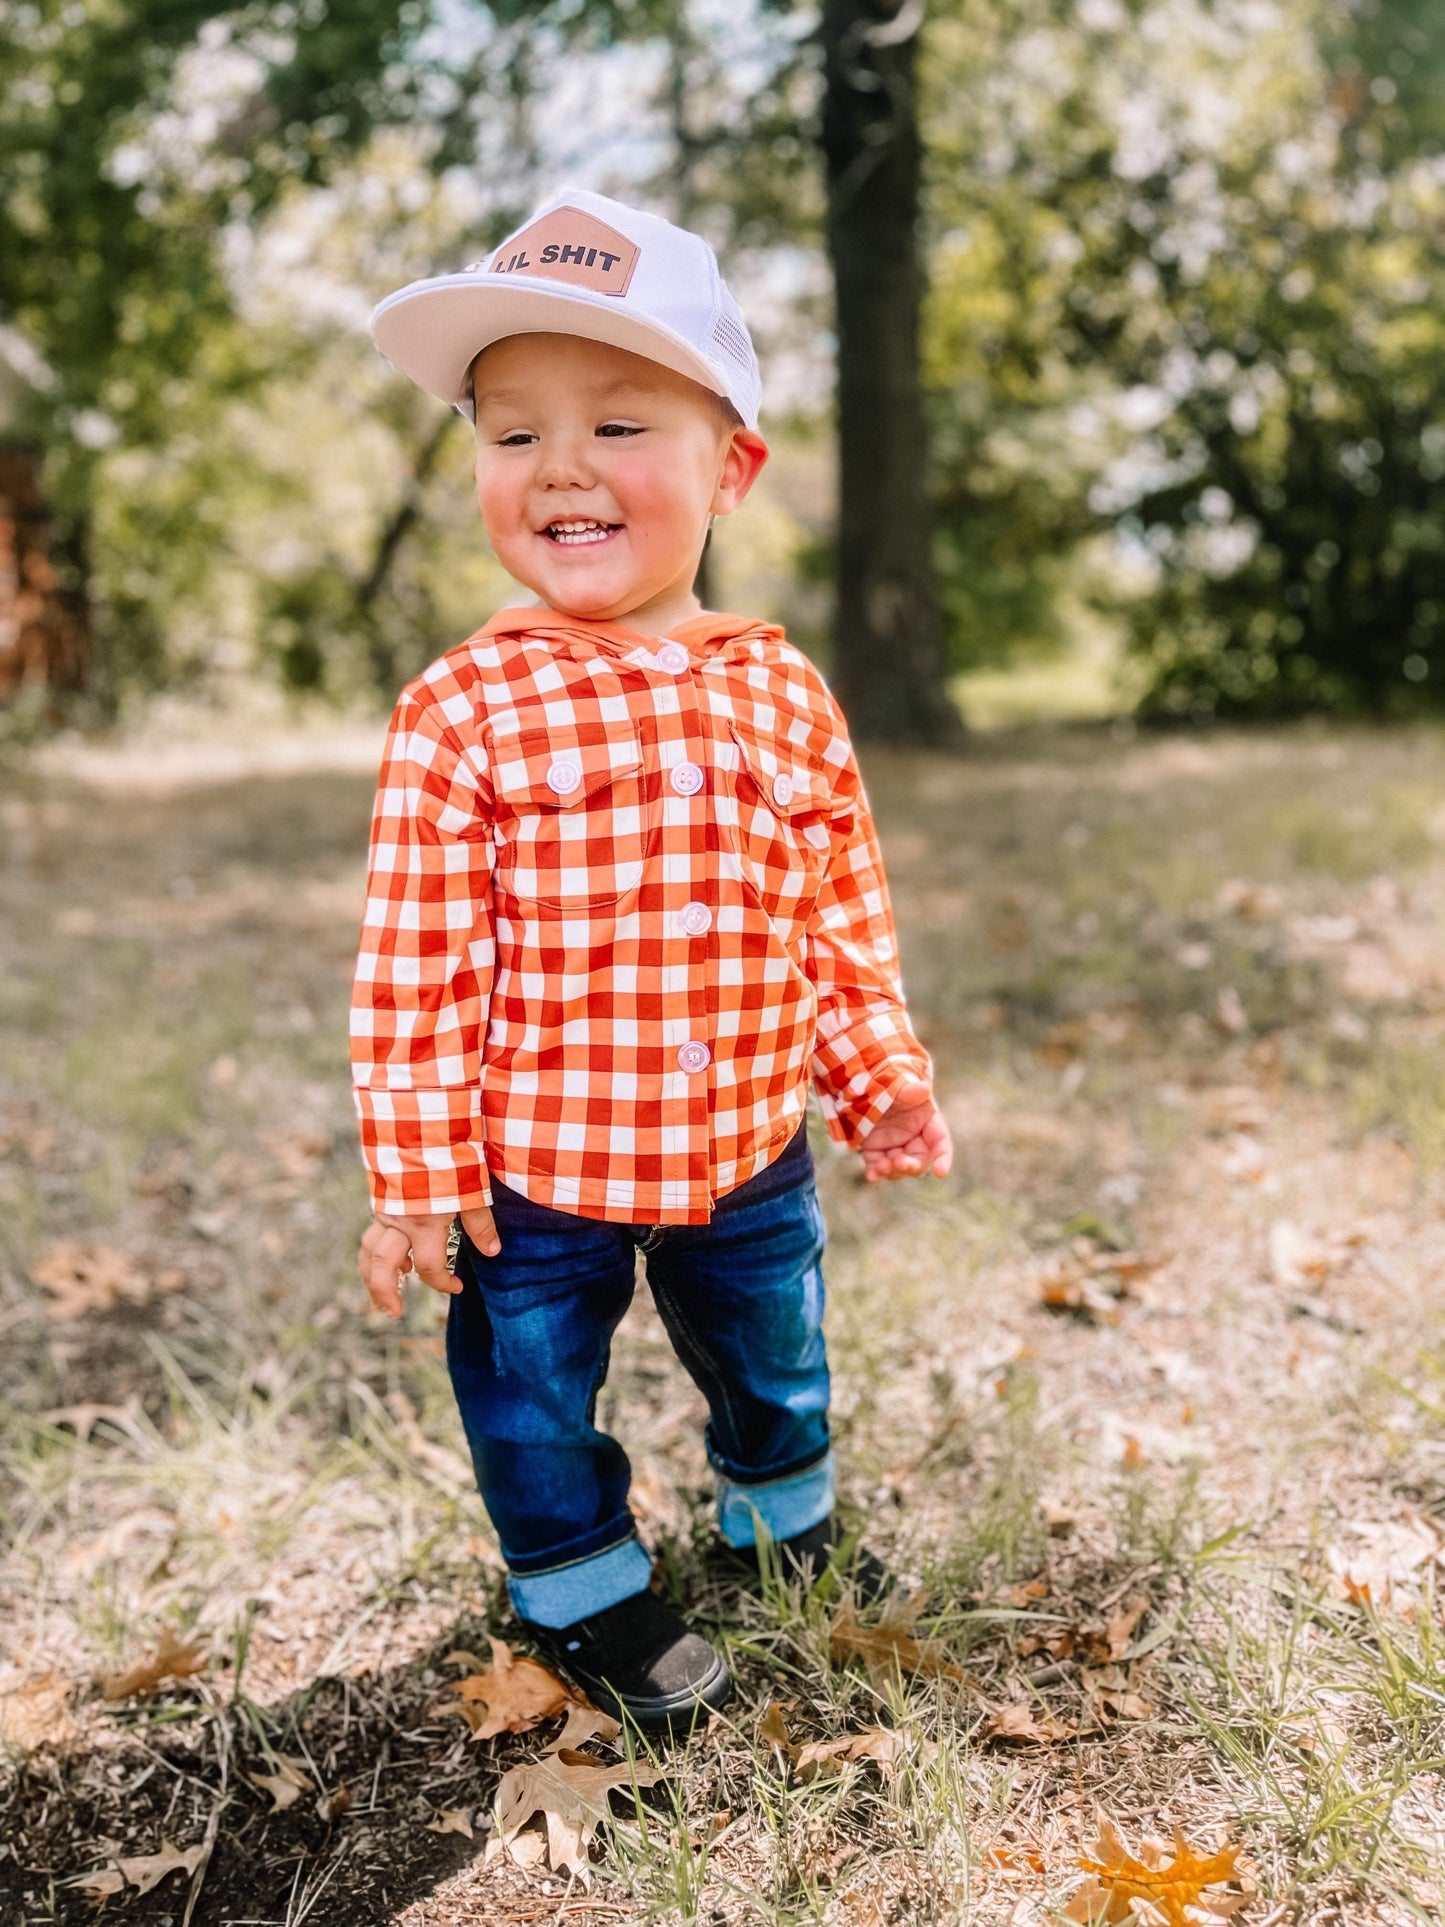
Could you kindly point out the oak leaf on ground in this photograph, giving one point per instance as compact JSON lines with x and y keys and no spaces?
{"x":881,"y":1744}
{"x":1120,"y":1879}
{"x":452,"y":1820}
{"x":570,"y":1790}
{"x":36,"y":1712}
{"x":1019,"y":1721}
{"x":84,"y":1278}
{"x":1118,"y":1630}
{"x":141,"y":1871}
{"x":172,"y":1660}
{"x":1115,"y":1690}
{"x":889,"y":1647}
{"x":1384,"y":1570}
{"x":286,"y":1784}
{"x":512,"y":1695}
{"x":584,"y":1723}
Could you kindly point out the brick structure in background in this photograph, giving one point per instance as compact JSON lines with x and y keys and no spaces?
{"x":44,"y":631}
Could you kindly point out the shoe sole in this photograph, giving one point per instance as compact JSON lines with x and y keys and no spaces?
{"x":667,"y":1712}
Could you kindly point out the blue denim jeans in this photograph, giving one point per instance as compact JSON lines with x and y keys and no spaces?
{"x":528,"y":1341}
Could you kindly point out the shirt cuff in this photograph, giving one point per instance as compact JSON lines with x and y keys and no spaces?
{"x":853,"y":1106}
{"x":423,"y":1151}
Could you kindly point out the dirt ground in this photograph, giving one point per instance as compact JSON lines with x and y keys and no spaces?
{"x":1149,"y":1396}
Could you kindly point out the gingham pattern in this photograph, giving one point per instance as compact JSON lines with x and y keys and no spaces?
{"x":552,"y":799}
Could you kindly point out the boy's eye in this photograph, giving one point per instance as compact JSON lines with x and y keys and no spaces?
{"x":518,"y":438}
{"x":618,"y":428}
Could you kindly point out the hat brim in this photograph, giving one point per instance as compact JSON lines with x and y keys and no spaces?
{"x":433,"y":330}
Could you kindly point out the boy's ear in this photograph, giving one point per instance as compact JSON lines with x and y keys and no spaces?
{"x":742,"y":464}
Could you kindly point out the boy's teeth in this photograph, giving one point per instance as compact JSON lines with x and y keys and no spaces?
{"x":578,"y":531}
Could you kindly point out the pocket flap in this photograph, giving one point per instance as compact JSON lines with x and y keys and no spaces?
{"x":793,"y":782}
{"x":554,"y":769}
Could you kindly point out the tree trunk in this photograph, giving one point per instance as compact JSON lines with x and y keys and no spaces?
{"x":44,"y":630}
{"x":890,"y":656}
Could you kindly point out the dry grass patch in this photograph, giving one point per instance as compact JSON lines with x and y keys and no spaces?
{"x":1145,"y":1407}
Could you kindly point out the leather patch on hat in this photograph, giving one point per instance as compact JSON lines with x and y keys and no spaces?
{"x":568,"y":245}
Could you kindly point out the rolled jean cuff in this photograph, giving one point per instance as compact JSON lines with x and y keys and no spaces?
{"x":571,"y":1592}
{"x":785,"y":1506}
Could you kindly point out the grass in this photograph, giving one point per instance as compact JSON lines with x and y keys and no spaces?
{"x":1185,"y":999}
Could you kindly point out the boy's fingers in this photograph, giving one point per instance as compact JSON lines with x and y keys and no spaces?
{"x":939,"y":1145}
{"x":481,"y":1228}
{"x":384,"y":1256}
{"x":429,"y":1258}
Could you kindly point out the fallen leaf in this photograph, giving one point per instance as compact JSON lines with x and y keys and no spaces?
{"x":36,"y":1712}
{"x":570,"y":1790}
{"x":1112,"y":1688}
{"x":511,"y":1696}
{"x":287,"y":1784}
{"x":85,"y":1278}
{"x":452,"y":1820}
{"x":889,"y":1647}
{"x":1092,"y":1281}
{"x":149,"y":1869}
{"x":584,"y":1723}
{"x":1019,"y":1721}
{"x":773,"y":1729}
{"x":1132,"y":1456}
{"x":878,"y":1743}
{"x":883,"y":1745}
{"x":1119,"y":1626}
{"x":1383,"y":1570}
{"x":1120,"y":1880}
{"x":100,"y":1882}
{"x":172,"y":1661}
{"x":1011,"y":1859}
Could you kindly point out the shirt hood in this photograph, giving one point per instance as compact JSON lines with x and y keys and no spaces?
{"x":712,"y":631}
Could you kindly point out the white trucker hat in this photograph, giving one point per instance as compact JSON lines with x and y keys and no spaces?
{"x":582,"y":265}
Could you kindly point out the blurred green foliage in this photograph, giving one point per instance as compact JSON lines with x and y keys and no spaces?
{"x":1188,"y":293}
{"x":1183,"y":346}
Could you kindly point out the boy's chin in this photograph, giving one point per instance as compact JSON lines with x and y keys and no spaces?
{"x":607,"y":598}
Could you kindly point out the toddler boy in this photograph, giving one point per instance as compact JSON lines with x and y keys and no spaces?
{"x":625,"y":901}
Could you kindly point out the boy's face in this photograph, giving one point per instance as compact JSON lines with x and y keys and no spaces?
{"x":597,"y":471}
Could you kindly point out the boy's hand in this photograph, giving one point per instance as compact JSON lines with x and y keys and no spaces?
{"x":909,"y":1139}
{"x":391,"y":1247}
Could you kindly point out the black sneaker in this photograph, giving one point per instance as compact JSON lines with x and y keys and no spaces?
{"x":638,"y":1660}
{"x":822,"y":1549}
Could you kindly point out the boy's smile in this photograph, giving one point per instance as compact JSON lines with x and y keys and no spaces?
{"x":597,"y":471}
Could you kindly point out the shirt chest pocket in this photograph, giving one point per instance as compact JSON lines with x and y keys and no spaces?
{"x":783,"y":798}
{"x":571,"y":823}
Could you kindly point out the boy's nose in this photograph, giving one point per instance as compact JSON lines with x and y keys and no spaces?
{"x":565,"y":463}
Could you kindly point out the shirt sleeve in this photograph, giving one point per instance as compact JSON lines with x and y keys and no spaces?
{"x":865,"y":1049}
{"x":424,"y":973}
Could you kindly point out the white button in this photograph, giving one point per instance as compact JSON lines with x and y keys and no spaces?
{"x":564,"y":778}
{"x":687,"y":779}
{"x":673,"y":658}
{"x":694,"y":1057}
{"x":695,"y":918}
{"x":783,"y":790}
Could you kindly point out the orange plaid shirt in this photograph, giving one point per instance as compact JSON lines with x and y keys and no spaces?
{"x":624,"y":900}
